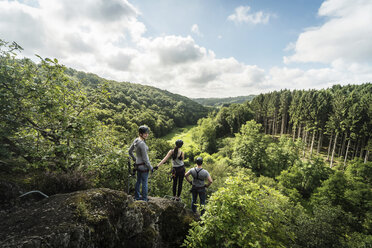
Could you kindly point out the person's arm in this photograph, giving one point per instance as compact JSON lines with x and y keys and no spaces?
{"x":165,"y":158}
{"x":130,"y":151}
{"x":187,"y":177}
{"x":210,"y":181}
{"x":183,"y":156}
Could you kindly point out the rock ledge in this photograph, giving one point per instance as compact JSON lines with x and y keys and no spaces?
{"x":96,"y":218}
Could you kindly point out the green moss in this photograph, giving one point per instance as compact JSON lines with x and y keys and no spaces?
{"x":95,"y":206}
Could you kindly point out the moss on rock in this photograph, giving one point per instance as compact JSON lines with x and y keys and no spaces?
{"x":96,"y":218}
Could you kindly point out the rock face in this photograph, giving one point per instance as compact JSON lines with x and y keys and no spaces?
{"x":96,"y":218}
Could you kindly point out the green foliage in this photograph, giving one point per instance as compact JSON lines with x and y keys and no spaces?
{"x":340,"y":115}
{"x":229,"y":119}
{"x":304,"y":177}
{"x":281,"y":155}
{"x":205,"y":135}
{"x":50,"y":119}
{"x":249,"y":148}
{"x":158,"y":148}
{"x":242,"y":214}
{"x":160,"y":183}
{"x":326,"y":227}
{"x":350,"y":190}
{"x":138,"y":104}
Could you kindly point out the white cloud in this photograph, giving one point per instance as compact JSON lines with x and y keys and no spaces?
{"x":195,"y":30}
{"x":176,"y":50}
{"x":242,"y":15}
{"x":346,"y":35}
{"x":338,"y":73}
{"x":21,"y":23}
{"x":106,"y":38}
{"x":68,"y":28}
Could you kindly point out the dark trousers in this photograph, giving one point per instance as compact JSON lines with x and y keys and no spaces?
{"x":202,"y":195}
{"x":178,"y":179}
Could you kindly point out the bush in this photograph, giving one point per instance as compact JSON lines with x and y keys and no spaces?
{"x":52,"y":183}
{"x":242,"y":214}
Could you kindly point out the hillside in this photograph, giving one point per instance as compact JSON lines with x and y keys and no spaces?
{"x":161,"y":110}
{"x":217,"y":102}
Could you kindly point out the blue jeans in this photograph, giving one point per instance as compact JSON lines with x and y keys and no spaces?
{"x":142,"y":178}
{"x":202,"y":195}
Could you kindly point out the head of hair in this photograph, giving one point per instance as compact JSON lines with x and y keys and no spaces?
{"x":179,"y":144}
{"x":199,"y":161}
{"x":143,"y":129}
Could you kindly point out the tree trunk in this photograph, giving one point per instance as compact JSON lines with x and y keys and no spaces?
{"x":320,"y":141}
{"x":293,"y":132}
{"x":304,"y":134}
{"x":265,"y":124}
{"x":339,"y":149}
{"x":361,"y":149}
{"x":333,"y":150}
{"x":312,"y":144}
{"x":366,"y":157}
{"x":274,"y":125}
{"x":299,"y":131}
{"x":347,"y":150}
{"x":305,"y":144}
{"x":355,"y":152}
{"x":13,"y":147}
{"x":329,"y":146}
{"x":343,"y":145}
{"x":269,"y":125}
{"x":283,"y":125}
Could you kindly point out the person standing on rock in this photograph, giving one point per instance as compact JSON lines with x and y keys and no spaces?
{"x":198,"y":186}
{"x":178,"y":168}
{"x":142,"y":162}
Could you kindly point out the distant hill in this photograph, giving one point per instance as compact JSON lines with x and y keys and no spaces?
{"x":217,"y":102}
{"x":131,"y":103}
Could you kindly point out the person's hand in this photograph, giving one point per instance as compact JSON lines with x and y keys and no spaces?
{"x":156,"y":167}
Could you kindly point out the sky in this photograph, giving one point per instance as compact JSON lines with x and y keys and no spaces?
{"x":200,"y":48}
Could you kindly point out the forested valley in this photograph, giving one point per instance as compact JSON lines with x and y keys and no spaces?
{"x":290,"y":168}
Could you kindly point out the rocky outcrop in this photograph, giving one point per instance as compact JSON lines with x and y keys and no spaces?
{"x":96,"y":218}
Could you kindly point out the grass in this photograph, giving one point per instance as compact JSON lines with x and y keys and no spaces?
{"x":184,"y":134}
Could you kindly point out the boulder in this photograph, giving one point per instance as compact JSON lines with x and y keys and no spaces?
{"x":96,"y":218}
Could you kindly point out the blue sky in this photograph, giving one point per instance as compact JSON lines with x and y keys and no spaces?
{"x":260,"y":44}
{"x":201,"y":48}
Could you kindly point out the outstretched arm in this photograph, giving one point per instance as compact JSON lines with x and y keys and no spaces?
{"x":165,"y":158}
